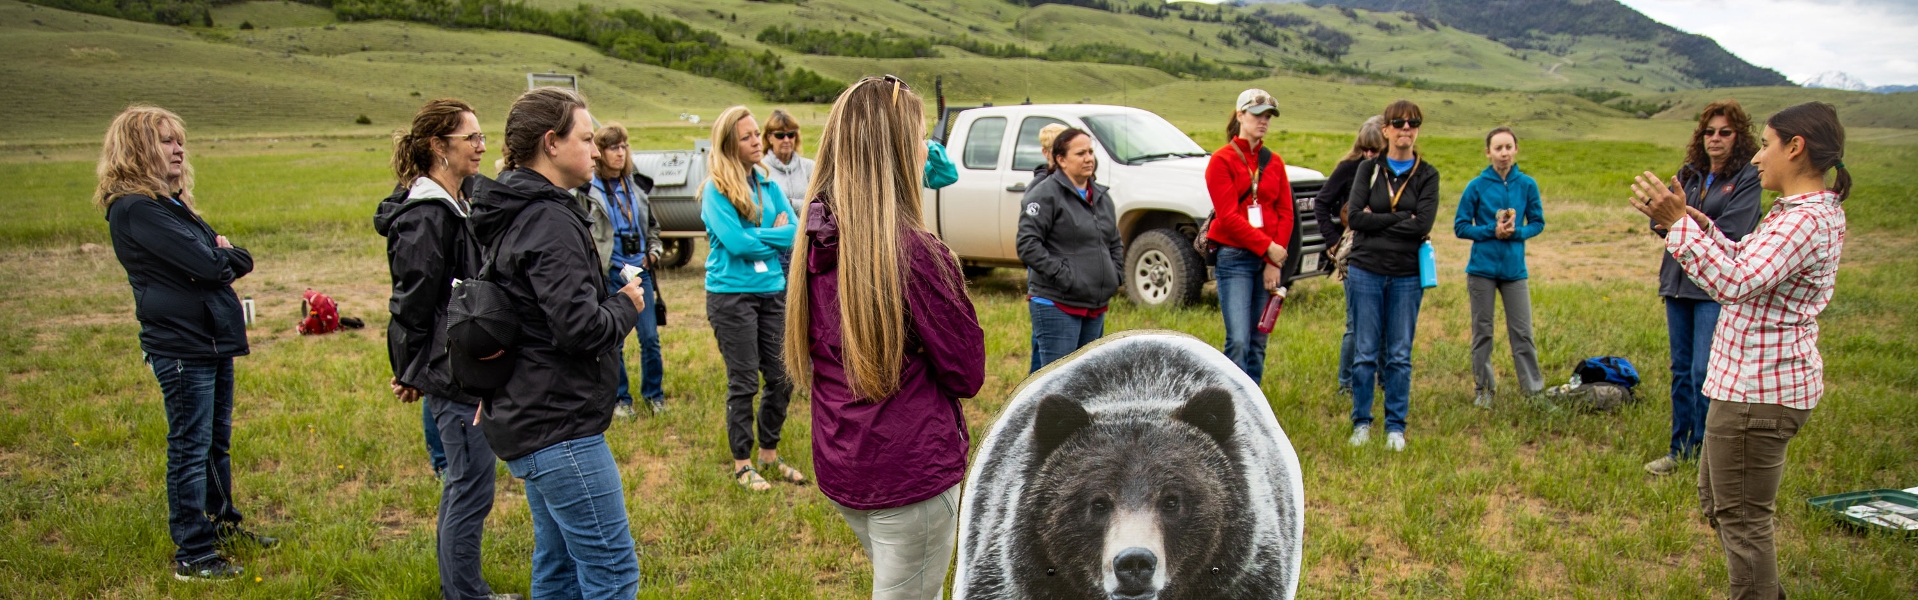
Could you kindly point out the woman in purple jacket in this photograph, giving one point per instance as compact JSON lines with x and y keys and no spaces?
{"x":889,"y":438}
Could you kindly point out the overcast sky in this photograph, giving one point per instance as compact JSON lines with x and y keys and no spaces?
{"x":1873,"y":40}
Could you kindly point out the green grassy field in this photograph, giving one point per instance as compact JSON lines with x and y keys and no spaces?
{"x":1518,"y":502}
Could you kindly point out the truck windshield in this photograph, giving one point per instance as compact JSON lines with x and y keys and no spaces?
{"x":1137,"y":138}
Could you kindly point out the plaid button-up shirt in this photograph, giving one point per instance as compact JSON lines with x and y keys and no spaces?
{"x":1773,"y":284}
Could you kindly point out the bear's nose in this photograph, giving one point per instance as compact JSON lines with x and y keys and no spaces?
{"x":1134,"y":567}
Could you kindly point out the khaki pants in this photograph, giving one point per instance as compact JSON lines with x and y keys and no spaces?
{"x":1738,"y":475}
{"x":910,"y":546}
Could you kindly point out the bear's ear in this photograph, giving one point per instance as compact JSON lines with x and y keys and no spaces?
{"x":1059,"y":418}
{"x":1211,"y":411}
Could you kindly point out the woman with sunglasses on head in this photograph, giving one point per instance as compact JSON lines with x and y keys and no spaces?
{"x":1069,"y":240}
{"x":883,"y":334}
{"x":1765,"y":375}
{"x":427,"y":247}
{"x":1329,"y":207}
{"x":1719,"y":180}
{"x":191,"y":328}
{"x":620,"y":196}
{"x":748,"y":224}
{"x":1390,"y":209}
{"x":1251,"y":223}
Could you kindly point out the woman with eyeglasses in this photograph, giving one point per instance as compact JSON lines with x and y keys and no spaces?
{"x":437,"y":163}
{"x":1251,"y":223}
{"x":1390,"y":209}
{"x":1719,"y":180}
{"x":1329,"y":206}
{"x":635,"y":232}
{"x":748,"y":223}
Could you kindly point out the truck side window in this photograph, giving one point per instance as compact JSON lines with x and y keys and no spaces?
{"x":1026,"y":154}
{"x":983,"y":141}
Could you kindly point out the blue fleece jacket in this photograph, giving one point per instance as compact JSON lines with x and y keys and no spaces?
{"x":742,"y":258}
{"x":1477,"y":220}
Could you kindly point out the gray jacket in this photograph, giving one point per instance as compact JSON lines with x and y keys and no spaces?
{"x":1070,"y":246}
{"x":642,"y":214}
{"x":1732,"y":204}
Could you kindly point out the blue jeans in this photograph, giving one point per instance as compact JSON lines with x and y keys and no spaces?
{"x":1056,"y":334}
{"x":1345,"y":344}
{"x":651,"y":377}
{"x":582,"y":547}
{"x":198,"y":394}
{"x":1385,"y":311}
{"x":1689,"y":323}
{"x":1242,"y":297}
{"x":435,"y":450}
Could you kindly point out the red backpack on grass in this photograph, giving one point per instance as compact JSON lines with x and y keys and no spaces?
{"x":322,"y":314}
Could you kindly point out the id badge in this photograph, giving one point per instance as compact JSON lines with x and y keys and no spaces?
{"x":759,"y":266}
{"x":1255,"y":216}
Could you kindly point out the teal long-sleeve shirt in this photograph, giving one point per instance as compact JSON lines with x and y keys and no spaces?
{"x":744,"y":258}
{"x":1477,"y":220}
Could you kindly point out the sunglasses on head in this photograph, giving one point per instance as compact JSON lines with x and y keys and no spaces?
{"x":896,"y":82}
{"x":1406,"y":123}
{"x":785,"y":135}
{"x":1726,"y":132}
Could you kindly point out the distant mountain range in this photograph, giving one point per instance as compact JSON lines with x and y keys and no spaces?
{"x":1539,"y":24}
{"x":1839,"y":80}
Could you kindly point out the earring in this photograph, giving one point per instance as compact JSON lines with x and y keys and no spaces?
{"x":444,"y":162}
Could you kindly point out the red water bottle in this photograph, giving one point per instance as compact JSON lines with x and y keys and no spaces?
{"x":1272,"y":307}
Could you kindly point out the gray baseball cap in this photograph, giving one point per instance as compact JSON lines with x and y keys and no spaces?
{"x":1257,"y":102}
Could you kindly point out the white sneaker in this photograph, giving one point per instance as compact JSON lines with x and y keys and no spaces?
{"x":1395,"y":440}
{"x":1360,"y":435}
{"x":623,"y":411}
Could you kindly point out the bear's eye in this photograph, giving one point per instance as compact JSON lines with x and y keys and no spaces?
{"x":1169,"y":504}
{"x":1101,"y":506}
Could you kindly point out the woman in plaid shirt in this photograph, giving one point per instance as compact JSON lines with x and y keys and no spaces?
{"x":1765,"y":375}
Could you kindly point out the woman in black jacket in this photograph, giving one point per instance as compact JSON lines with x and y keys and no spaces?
{"x":1069,"y":240}
{"x":191,"y":326}
{"x":427,"y":247}
{"x":549,"y":418}
{"x":1393,"y":201}
{"x":1329,"y":206}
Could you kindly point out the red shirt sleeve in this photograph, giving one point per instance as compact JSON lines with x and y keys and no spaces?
{"x":1275,"y":194}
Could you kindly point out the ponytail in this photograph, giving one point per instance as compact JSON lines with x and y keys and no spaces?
{"x":413,"y":155}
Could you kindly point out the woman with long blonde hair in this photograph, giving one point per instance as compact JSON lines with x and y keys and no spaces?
{"x":191,"y":327}
{"x":886,"y":338}
{"x":748,"y":223}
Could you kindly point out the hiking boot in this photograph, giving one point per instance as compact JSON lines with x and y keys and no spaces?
{"x":229,"y":535}
{"x":1665,"y":465}
{"x":1360,"y":435}
{"x":1484,"y":400}
{"x":658,"y":405}
{"x":1395,"y":440}
{"x":623,"y":411}
{"x":210,"y":569}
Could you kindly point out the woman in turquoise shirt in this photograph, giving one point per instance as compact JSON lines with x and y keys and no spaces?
{"x":1499,"y":210}
{"x":749,"y":223}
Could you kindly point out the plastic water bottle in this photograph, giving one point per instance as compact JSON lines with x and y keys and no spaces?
{"x":1272,"y":307}
{"x":1428,"y":266}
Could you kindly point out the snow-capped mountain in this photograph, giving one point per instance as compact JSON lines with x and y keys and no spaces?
{"x":1837,"y":80}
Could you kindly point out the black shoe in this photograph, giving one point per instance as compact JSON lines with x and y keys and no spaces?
{"x":212,"y":568}
{"x":231,"y":535}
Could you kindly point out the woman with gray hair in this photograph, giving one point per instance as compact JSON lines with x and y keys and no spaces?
{"x":1329,"y":206}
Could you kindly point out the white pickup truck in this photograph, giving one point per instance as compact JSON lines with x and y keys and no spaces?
{"x":1157,"y":176}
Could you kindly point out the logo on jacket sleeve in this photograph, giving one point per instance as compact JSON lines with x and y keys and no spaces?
{"x":1032,"y":210}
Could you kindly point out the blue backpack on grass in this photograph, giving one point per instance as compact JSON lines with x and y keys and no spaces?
{"x":1607,"y":369}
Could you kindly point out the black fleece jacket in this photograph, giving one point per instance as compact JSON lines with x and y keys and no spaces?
{"x":182,"y":281}
{"x":427,"y":247}
{"x":568,"y":361}
{"x":1387,"y":242}
{"x":1071,"y":246}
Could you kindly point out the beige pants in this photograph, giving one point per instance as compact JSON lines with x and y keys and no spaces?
{"x":1738,"y":475}
{"x":910,"y":546}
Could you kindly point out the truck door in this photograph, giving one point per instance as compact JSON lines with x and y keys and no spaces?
{"x":1026,"y":156}
{"x":966,"y":219}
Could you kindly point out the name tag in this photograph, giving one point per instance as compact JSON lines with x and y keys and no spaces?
{"x":1255,"y":216}
{"x":759,"y":266}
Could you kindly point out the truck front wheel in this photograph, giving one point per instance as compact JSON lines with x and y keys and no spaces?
{"x":1162,"y":269}
{"x":675,"y":252}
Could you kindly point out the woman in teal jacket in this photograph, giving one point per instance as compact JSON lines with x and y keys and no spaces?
{"x":1499,"y":210}
{"x":749,"y":223}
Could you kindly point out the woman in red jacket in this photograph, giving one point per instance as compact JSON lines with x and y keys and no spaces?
{"x":1252,"y":223}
